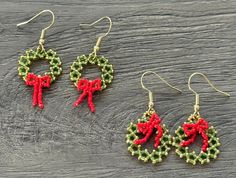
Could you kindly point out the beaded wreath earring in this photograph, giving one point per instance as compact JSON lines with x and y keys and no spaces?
{"x":187,"y":133}
{"x":88,"y":87}
{"x":141,"y":131}
{"x":37,"y":81}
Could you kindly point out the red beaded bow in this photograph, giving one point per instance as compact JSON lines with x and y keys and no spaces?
{"x":88,"y":87}
{"x":147,"y":129}
{"x":191,"y":130}
{"x":38,"y":83}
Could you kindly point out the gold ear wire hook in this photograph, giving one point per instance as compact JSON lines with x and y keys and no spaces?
{"x":196,"y":106}
{"x":97,"y":46}
{"x":151,"y":103}
{"x":41,"y":39}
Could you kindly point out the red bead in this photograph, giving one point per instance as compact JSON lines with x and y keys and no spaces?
{"x":88,"y":87}
{"x":38,"y":83}
{"x":192,"y":129}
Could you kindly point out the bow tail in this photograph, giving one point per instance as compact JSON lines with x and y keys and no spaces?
{"x":40,"y":96}
{"x":205,"y":140}
{"x":33,"y":80}
{"x":90,"y":102}
{"x":35,"y":94}
{"x":158,"y":136}
{"x":80,"y":99}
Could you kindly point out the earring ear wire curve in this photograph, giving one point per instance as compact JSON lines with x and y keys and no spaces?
{"x":41,"y":39}
{"x":196,"y":106}
{"x":151,"y":103}
{"x":97,"y":46}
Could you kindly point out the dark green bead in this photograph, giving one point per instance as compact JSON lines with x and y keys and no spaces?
{"x":40,"y":53}
{"x":107,"y":77}
{"x":31,"y":54}
{"x":55,"y":61}
{"x":107,"y":69}
{"x":24,"y":61}
{"x":51,"y":54}
{"x":23,"y":71}
{"x":82,"y":60}
{"x":102,"y":61}
{"x":55,"y":70}
{"x":76,"y":66}
{"x":74,"y":76}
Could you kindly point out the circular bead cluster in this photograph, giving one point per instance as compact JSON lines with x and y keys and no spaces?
{"x":191,"y":157}
{"x":155,"y":155}
{"x":102,"y":62}
{"x":31,"y":55}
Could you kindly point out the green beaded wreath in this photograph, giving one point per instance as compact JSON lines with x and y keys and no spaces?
{"x":31,"y":55}
{"x":191,"y":157}
{"x":156,"y":155}
{"x":101,"y":61}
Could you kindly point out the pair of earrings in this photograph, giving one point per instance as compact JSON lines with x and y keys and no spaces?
{"x":142,"y":130}
{"x":39,"y":82}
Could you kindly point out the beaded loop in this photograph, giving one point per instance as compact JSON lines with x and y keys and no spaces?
{"x":101,"y":61}
{"x":157,"y":154}
{"x":203,"y":157}
{"x":31,"y":55}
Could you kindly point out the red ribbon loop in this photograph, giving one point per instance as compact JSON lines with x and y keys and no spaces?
{"x":88,"y":87}
{"x":191,"y":130}
{"x":38,"y":83}
{"x":147,"y":129}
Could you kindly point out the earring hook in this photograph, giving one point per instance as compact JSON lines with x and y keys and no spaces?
{"x":196,"y":106}
{"x":41,"y":39}
{"x":97,"y":46}
{"x":151,"y":103}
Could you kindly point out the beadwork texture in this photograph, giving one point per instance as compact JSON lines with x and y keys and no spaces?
{"x":102,"y":62}
{"x":37,"y":81}
{"x":207,"y":153}
{"x":161,"y":150}
{"x":88,"y":88}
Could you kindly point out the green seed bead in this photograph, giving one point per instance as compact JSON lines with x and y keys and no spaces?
{"x":82,"y":59}
{"x":103,"y":84}
{"x":31,"y":54}
{"x":107,"y":69}
{"x":40,"y":53}
{"x":76,"y":66}
{"x":55,"y":61}
{"x":55,"y":70}
{"x":191,"y":158}
{"x":51,"y":54}
{"x":102,"y":61}
{"x":24,"y":61}
{"x":107,"y":77}
{"x":23,"y":71}
{"x":74,"y":75}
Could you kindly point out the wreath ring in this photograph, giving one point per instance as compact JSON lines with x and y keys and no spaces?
{"x":32,"y":55}
{"x":203,"y":157}
{"x":101,"y":61}
{"x":157,"y":154}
